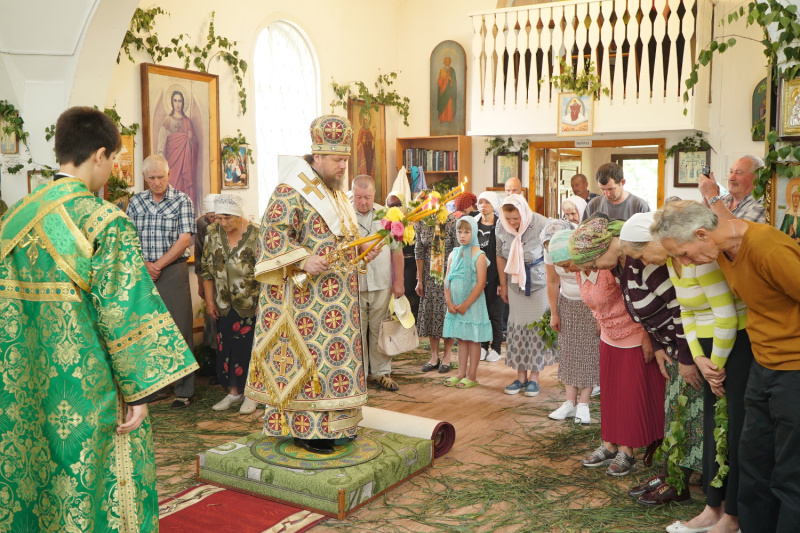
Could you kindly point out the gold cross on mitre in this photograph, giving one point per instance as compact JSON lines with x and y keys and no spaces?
{"x":311,"y":186}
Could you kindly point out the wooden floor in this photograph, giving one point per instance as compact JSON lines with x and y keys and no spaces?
{"x":494,"y":432}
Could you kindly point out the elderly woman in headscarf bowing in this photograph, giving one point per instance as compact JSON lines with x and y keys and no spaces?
{"x":572,"y":209}
{"x":520,"y":265}
{"x":578,"y":339}
{"x":632,"y":409}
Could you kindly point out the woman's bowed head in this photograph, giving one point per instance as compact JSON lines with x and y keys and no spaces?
{"x":691,"y":232}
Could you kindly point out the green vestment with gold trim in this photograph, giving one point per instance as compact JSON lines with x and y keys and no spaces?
{"x":82,"y":332}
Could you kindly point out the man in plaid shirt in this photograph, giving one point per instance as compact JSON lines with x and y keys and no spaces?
{"x":739,"y":203}
{"x":164,"y":218}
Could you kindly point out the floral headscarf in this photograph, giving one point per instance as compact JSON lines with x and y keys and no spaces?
{"x":592,"y":239}
{"x":515,"y":264}
{"x":559,"y":246}
{"x":463,"y":253}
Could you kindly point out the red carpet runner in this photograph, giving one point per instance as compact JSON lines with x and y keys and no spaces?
{"x":209,"y":509}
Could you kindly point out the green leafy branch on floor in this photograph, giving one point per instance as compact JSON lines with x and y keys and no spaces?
{"x":674,"y":445}
{"x":236,"y":143}
{"x":498,"y":145}
{"x":544,"y":330}
{"x":358,"y":90}
{"x":141,"y":35}
{"x":721,"y":440}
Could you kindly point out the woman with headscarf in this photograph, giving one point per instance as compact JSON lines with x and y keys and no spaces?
{"x":572,"y":209}
{"x":520,"y":264}
{"x":578,"y":340}
{"x":651,"y":298}
{"x":632,"y":409}
{"x":488,"y":211}
{"x":431,"y":249}
{"x":231,"y":291}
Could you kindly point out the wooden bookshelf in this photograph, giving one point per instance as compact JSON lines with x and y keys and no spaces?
{"x":460,"y":143}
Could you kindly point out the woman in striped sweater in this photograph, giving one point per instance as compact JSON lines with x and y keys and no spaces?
{"x":714,"y":322}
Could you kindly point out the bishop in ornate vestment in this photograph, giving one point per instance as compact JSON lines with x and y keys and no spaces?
{"x":307,"y":362}
{"x":84,"y":340}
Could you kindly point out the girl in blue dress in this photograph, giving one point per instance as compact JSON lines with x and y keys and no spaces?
{"x":467,"y":319}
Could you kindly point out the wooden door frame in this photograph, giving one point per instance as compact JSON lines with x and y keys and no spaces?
{"x":661,"y":143}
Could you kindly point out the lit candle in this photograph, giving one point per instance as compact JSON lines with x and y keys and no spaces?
{"x":363,"y":240}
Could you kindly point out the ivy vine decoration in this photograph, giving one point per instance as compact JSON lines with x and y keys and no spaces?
{"x":545,"y":331}
{"x":674,"y":444}
{"x":583,"y":84}
{"x":111,"y":112}
{"x":117,"y":188}
{"x":14,"y":125}
{"x":12,"y":122}
{"x":499,"y":145}
{"x":445,"y":185}
{"x":692,"y":143}
{"x":721,"y":440}
{"x":383,"y":96}
{"x":141,"y":35}
{"x":783,"y":40}
{"x":236,"y":143}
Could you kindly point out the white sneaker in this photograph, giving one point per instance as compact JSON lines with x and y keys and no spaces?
{"x":248,"y":406}
{"x":567,"y":410}
{"x":227,"y":402}
{"x":483,"y":353}
{"x":492,"y":357}
{"x":595,"y":391}
{"x":582,"y":414}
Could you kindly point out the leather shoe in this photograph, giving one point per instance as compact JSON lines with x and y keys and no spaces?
{"x":647,"y":458}
{"x":318,"y":446}
{"x":654,"y":483}
{"x":663,"y":496}
{"x":427,"y":367}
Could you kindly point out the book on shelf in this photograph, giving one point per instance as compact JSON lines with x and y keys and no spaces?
{"x":431,"y":160}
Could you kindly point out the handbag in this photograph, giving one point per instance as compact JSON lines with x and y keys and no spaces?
{"x":394,"y":339}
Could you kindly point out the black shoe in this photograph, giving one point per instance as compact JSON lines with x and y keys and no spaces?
{"x":654,"y":483}
{"x":318,"y":446}
{"x":427,"y":367}
{"x":181,"y":403}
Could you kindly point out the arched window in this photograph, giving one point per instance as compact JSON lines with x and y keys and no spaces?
{"x":287,"y":99}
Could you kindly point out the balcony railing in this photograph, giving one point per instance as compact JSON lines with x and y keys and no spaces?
{"x":642,"y":51}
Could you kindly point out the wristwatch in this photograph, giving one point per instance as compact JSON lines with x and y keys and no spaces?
{"x":714,"y":199}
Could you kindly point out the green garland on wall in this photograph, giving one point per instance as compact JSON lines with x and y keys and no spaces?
{"x":382,"y":96}
{"x":141,"y":35}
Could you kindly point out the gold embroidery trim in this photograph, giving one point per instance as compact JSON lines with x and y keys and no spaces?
{"x":345,"y":423}
{"x":35,"y":196}
{"x":274,"y":263}
{"x":336,"y":404}
{"x":100,"y":219}
{"x":35,"y":220}
{"x":118,"y":345}
{"x":163,"y":382}
{"x":59,"y":259}
{"x":80,"y":239}
{"x":123,"y":471}
{"x":39,"y":292}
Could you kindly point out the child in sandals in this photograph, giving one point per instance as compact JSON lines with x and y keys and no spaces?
{"x":467,"y":318}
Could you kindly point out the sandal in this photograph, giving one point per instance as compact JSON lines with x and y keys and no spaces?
{"x":466,"y":383}
{"x":450,"y":382}
{"x":387,"y":383}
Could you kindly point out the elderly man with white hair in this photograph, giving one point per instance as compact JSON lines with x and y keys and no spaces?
{"x":164,"y":219}
{"x":739,"y":202}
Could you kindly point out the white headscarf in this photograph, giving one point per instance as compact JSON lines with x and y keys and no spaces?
{"x":208,"y":203}
{"x":492,"y":198}
{"x":578,"y":202}
{"x":515,"y":264}
{"x":637,"y":228}
{"x":228,"y":204}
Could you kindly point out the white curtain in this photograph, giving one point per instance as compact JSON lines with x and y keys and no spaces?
{"x":287,"y":100}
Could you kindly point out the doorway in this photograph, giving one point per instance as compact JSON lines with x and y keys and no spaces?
{"x":554,"y":163}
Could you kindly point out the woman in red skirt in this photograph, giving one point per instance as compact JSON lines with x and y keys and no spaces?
{"x":632,"y":407}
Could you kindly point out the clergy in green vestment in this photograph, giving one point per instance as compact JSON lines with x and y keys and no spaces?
{"x":84,"y":340}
